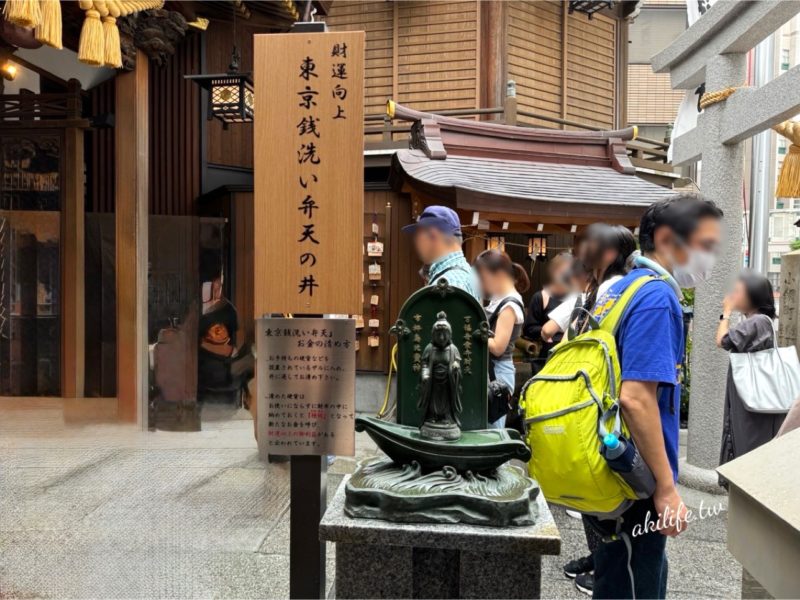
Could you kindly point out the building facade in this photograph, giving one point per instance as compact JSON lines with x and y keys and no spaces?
{"x":127,"y":212}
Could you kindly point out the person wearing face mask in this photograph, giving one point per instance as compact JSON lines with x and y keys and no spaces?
{"x":752,"y":297}
{"x":678,"y":237}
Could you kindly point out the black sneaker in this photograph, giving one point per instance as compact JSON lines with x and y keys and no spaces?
{"x":585,"y":582}
{"x":575,"y":567}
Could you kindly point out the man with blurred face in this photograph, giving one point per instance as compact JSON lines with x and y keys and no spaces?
{"x":437,"y":240}
{"x":678,"y":237}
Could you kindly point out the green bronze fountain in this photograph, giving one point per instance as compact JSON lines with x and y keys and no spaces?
{"x":444,"y":465}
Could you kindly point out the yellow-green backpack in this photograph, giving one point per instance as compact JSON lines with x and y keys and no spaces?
{"x":569,"y":406}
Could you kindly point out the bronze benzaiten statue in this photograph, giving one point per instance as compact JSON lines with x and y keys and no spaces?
{"x":444,"y":465}
{"x":440,"y":392}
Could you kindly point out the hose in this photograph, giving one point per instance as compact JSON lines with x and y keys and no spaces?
{"x":392,"y":367}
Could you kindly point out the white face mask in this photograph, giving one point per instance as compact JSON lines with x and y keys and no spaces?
{"x":698,"y":268}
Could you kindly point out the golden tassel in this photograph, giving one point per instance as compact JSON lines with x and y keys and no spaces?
{"x":48,"y":31}
{"x":789,"y":178}
{"x":113,"y":54}
{"x":25,"y":13}
{"x":90,"y":46}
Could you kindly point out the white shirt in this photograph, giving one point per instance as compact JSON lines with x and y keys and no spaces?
{"x":561,"y":314}
{"x":494,"y":302}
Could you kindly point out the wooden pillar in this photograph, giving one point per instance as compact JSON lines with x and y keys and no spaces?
{"x":131,"y":140}
{"x":564,"y":60}
{"x":474,"y":246}
{"x":492,"y":75}
{"x":72,"y":255}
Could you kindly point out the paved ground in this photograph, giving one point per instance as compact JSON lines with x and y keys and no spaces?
{"x":106,"y":511}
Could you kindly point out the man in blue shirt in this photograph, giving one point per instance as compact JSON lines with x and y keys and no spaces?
{"x":678,"y":238}
{"x":438,"y":239}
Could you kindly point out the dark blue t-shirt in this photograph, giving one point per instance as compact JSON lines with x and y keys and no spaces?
{"x":650,"y":346}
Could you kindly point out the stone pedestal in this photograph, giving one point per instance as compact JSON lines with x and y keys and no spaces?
{"x":380,"y":559}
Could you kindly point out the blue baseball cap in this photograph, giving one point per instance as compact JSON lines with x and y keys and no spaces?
{"x":439,"y":217}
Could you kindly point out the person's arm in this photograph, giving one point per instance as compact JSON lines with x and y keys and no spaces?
{"x":639,"y":403}
{"x":650,"y":344}
{"x":724,"y":323}
{"x":532,"y":327}
{"x":550,"y":329}
{"x":559,"y":318}
{"x":502,"y":331}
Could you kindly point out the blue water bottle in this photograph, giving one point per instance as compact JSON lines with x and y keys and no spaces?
{"x":619,"y":454}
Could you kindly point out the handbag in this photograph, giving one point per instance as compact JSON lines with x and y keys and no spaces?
{"x":767,"y":381}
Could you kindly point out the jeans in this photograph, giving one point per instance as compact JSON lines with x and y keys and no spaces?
{"x":638,"y":573}
{"x":499,"y":424}
{"x":504,"y":372}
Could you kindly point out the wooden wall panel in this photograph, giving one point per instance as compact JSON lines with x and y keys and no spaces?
{"x":175,"y":132}
{"x":100,"y":157}
{"x":591,"y":69}
{"x":564,"y":65}
{"x":438,"y":56}
{"x":400,"y":278}
{"x":376,"y":19}
{"x":422,"y":54}
{"x":535,"y":57}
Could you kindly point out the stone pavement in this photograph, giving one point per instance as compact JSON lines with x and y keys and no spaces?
{"x":108,"y":511}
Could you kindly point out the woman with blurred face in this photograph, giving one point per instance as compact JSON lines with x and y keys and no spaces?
{"x":545,"y":301}
{"x":502,"y":281}
{"x":753,"y":299}
{"x":604,"y":258}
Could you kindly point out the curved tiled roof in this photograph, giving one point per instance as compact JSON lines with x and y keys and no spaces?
{"x":536,"y":181}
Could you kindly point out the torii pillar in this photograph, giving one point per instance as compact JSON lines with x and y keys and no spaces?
{"x":714,"y":50}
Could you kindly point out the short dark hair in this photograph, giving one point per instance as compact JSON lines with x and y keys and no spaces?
{"x":759,"y":293}
{"x":681,"y":213}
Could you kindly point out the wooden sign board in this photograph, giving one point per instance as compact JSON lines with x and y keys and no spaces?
{"x":309,"y":172}
{"x":306,"y":386}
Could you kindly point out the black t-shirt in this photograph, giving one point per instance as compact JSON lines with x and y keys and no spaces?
{"x":537,"y":317}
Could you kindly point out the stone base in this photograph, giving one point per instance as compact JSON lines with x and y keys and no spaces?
{"x":380,"y":489}
{"x":697,"y":478}
{"x":379,"y":559}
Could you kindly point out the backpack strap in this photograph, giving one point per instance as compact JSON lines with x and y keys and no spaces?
{"x":612,"y":319}
{"x":505,"y":301}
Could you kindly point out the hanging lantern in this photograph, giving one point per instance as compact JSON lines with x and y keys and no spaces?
{"x":537,"y":247}
{"x":230,"y":95}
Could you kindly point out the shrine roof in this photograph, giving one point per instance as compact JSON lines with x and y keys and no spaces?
{"x":479,"y":165}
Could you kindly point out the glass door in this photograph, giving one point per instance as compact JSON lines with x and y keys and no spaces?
{"x":30,"y":264}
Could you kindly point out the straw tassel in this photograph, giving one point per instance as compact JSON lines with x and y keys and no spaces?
{"x":25,"y":13}
{"x":113,"y":53}
{"x":48,"y":31}
{"x":91,"y":44}
{"x":789,"y":178}
{"x":100,"y":41}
